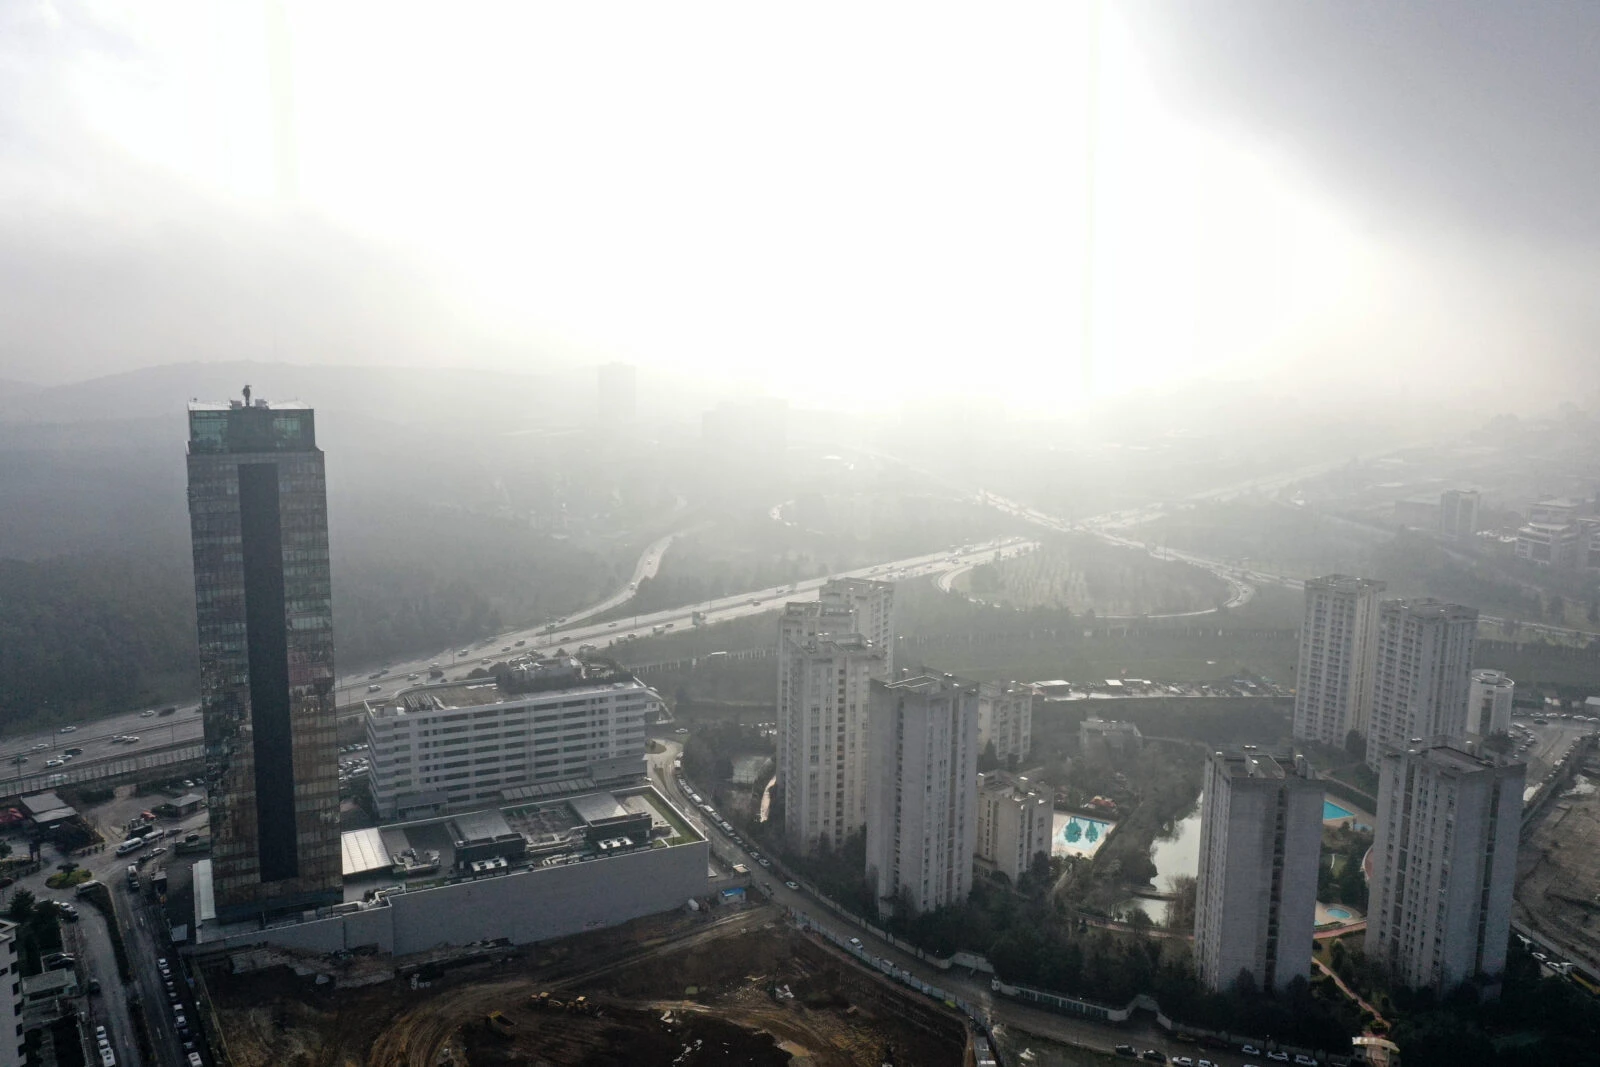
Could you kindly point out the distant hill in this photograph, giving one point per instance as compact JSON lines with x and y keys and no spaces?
{"x":13,"y":394}
{"x":397,"y":394}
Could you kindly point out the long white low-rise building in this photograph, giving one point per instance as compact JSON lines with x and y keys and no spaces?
{"x":435,"y":748}
{"x":524,"y":872}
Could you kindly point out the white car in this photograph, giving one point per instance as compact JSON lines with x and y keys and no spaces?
{"x":147,"y":714}
{"x":68,"y":730}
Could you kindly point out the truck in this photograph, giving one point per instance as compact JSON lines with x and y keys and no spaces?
{"x":497,"y":1022}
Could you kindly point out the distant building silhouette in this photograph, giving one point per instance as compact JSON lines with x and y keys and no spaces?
{"x":617,"y":394}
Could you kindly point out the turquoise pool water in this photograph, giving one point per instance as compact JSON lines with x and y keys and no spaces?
{"x":1078,"y":835}
{"x":1330,"y":810}
{"x":1339,"y":913}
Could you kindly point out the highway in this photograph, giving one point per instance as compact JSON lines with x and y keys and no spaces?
{"x":571,"y":633}
{"x":1241,"y":580}
{"x":158,"y":731}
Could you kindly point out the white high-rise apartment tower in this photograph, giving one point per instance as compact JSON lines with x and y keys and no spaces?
{"x":1338,"y":649}
{"x":1420,"y":688}
{"x":1014,"y":823}
{"x":1260,"y":843}
{"x":873,"y":605}
{"x":13,"y":1052}
{"x":1005,"y":717}
{"x":922,"y":801}
{"x":1444,"y":863}
{"x":848,"y":631}
{"x":825,"y":683}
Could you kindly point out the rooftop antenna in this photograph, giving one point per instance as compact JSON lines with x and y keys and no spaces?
{"x":247,"y":396}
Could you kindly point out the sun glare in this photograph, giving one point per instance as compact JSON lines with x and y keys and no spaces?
{"x":732,"y":192}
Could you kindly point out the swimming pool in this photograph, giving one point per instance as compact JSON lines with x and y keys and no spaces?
{"x":1078,"y":835}
{"x":1339,"y":913}
{"x":1330,"y":810}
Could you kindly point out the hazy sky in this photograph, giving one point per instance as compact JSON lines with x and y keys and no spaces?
{"x":843,"y":202}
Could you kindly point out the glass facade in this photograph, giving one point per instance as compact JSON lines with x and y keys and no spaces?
{"x":258,"y":517}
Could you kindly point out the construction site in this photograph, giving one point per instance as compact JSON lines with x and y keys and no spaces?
{"x":1558,"y":876}
{"x":741,"y":987}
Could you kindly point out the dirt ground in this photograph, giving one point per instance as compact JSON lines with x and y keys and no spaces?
{"x":688,"y":996}
{"x":1558,"y":869}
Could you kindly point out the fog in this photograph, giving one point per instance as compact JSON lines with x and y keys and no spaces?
{"x":851,"y":208}
{"x":820,"y":436}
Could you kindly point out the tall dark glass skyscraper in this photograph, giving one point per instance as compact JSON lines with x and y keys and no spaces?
{"x":258,"y":516}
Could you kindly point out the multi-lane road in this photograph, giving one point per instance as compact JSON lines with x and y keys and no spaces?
{"x":571,"y":634}
{"x":155,"y":735}
{"x":158,"y":731}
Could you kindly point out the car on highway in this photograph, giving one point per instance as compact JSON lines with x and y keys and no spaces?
{"x":55,"y":763}
{"x":20,"y":760}
{"x":791,"y":885}
{"x":681,"y":730}
{"x":148,"y":713}
{"x":73,"y":752}
{"x":376,"y":688}
{"x":68,"y":730}
{"x":40,"y":747}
